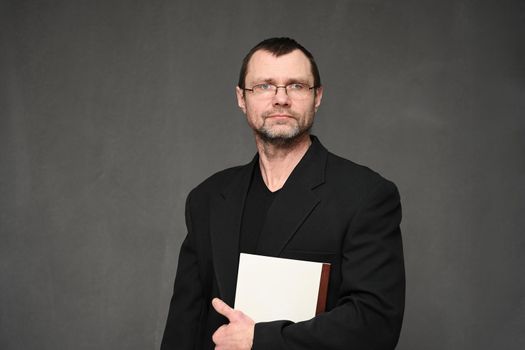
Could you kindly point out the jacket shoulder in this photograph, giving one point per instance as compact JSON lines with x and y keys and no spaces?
{"x":217,"y":181}
{"x":348,"y":174}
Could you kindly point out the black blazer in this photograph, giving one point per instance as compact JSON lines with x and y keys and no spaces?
{"x":329,"y":210}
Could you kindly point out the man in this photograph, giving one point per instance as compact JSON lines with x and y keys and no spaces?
{"x":294,"y":200}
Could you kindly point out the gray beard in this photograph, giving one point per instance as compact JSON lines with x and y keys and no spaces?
{"x":282,"y":140}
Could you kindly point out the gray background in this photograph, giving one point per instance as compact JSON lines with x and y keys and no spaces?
{"x":111,"y":111}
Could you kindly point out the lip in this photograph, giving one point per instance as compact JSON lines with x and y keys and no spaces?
{"x":280,"y":116}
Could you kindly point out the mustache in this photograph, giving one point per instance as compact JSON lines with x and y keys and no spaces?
{"x":280,"y":111}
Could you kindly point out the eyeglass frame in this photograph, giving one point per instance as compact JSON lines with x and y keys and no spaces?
{"x":285,"y":87}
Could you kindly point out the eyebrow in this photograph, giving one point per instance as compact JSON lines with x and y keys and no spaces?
{"x":288,"y":81}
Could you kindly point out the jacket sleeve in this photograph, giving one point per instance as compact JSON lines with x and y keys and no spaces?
{"x":369,"y":311}
{"x":186,"y":306}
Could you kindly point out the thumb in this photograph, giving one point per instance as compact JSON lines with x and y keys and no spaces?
{"x":223,"y":308}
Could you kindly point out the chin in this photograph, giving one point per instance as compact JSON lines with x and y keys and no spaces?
{"x":281,"y":133}
{"x":281,"y":137}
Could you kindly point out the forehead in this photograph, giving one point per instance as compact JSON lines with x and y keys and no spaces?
{"x":264,"y":65}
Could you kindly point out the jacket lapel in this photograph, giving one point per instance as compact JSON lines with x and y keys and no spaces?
{"x":288,"y":211}
{"x":295,"y":201}
{"x":225,"y":224}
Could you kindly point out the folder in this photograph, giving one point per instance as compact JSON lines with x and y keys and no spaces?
{"x":270,"y":288}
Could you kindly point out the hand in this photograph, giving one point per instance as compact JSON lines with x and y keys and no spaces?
{"x":236,"y":335}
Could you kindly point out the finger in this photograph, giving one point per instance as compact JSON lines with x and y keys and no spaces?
{"x":223,"y":308}
{"x":218,"y":335}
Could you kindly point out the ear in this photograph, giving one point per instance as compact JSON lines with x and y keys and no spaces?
{"x":240,"y":99}
{"x":318,"y":97}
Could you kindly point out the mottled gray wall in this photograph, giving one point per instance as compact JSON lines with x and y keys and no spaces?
{"x":111,"y":111}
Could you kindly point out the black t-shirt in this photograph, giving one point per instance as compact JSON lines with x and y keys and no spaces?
{"x":258,"y":201}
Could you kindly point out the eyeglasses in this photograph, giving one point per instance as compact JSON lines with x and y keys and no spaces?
{"x":295,"y":91}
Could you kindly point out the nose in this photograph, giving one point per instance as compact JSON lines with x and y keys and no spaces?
{"x":281,"y":97}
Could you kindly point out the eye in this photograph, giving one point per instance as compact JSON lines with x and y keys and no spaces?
{"x":263,"y":87}
{"x":296,"y":87}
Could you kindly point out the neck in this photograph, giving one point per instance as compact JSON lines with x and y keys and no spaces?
{"x":277,"y":160}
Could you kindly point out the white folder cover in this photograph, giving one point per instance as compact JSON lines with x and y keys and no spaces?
{"x":270,"y":288}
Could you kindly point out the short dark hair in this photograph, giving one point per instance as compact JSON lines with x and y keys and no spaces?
{"x":278,"y":47}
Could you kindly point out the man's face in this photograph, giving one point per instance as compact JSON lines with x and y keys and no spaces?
{"x":279,"y":118}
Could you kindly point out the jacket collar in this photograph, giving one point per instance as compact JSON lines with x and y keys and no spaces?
{"x":290,"y":208}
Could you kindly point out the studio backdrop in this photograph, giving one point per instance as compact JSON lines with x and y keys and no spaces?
{"x":112,"y":111}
